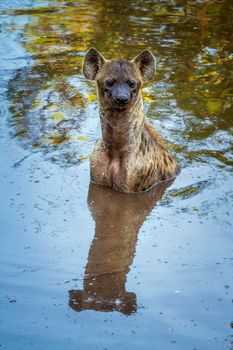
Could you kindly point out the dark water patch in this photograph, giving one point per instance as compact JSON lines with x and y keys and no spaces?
{"x":188,"y":191}
{"x":206,"y":155}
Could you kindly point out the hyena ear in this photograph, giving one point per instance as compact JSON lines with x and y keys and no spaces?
{"x":92,"y":63}
{"x":146,"y":64}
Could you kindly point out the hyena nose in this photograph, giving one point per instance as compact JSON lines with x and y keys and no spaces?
{"x":122,"y":99}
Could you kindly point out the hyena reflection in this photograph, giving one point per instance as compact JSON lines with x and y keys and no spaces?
{"x":118,"y":218}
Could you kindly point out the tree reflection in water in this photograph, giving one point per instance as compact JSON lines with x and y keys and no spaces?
{"x":192,"y":96}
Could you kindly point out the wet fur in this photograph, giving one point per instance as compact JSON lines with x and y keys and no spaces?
{"x":130,"y":156}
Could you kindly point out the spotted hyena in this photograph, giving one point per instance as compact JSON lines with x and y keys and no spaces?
{"x":130,"y":156}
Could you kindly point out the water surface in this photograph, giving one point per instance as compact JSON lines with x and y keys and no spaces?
{"x":83,"y":267}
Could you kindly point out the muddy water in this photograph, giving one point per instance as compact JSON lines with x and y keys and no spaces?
{"x":83,"y":267}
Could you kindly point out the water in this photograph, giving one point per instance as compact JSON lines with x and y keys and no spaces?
{"x":86,"y":268}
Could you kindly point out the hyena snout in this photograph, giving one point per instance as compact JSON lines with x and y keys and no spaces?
{"x":121,"y":94}
{"x":121,"y":99}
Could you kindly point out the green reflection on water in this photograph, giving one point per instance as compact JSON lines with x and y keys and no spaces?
{"x":191,"y":95}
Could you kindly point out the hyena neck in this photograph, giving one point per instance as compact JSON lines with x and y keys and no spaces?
{"x":122,"y":128}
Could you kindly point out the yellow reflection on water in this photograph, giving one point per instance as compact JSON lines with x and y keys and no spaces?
{"x":191,"y":40}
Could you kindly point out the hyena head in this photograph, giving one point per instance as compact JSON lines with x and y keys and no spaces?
{"x":119,"y":81}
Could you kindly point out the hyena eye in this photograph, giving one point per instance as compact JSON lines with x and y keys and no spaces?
{"x":132,"y":84}
{"x":109,"y":83}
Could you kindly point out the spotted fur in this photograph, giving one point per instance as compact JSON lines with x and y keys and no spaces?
{"x":130,"y":156}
